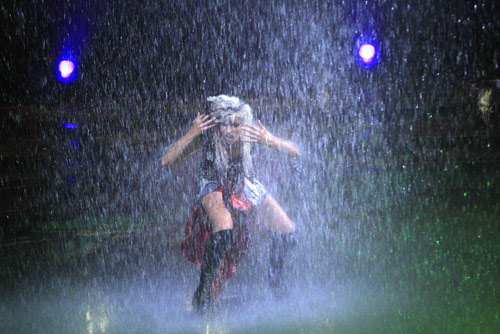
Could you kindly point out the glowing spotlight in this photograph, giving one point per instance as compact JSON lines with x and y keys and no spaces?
{"x":366,"y":48}
{"x":66,"y":70}
{"x":66,"y":67}
{"x":367,"y":52}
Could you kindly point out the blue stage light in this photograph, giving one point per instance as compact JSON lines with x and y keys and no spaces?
{"x":366,"y":49}
{"x":66,"y":70}
{"x":70,"y":125}
{"x":367,"y":52}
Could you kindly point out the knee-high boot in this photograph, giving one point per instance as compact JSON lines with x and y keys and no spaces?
{"x":281,"y":244}
{"x":215,"y":248}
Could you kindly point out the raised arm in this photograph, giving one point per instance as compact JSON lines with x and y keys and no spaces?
{"x":178,"y":150}
{"x":259,"y":134}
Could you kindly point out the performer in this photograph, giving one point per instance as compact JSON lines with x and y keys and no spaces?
{"x":229,"y":194}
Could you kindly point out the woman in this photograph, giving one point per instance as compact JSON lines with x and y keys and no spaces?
{"x":228,"y":191}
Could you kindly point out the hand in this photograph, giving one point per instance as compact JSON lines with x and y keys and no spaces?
{"x":256,"y":134}
{"x":201,"y":123}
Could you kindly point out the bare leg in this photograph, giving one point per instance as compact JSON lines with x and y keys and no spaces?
{"x":219,"y":216}
{"x":273,"y":215}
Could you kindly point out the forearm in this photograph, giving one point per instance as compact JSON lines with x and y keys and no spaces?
{"x":282,"y":145}
{"x":175,"y":151}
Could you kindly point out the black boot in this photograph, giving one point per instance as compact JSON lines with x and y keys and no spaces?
{"x":215,"y":248}
{"x":281,"y":244}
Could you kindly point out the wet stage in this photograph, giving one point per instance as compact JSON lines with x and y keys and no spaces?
{"x":437,"y":273}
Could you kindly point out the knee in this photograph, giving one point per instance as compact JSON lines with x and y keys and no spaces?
{"x":220,"y":220}
{"x":289,"y":228}
{"x":284,"y":224}
{"x":224,"y":221}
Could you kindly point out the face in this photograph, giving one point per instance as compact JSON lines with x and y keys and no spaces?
{"x":231,"y":130}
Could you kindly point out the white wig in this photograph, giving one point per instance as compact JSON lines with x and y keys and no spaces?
{"x":223,"y":107}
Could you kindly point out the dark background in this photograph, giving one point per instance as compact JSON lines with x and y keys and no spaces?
{"x":184,"y":50}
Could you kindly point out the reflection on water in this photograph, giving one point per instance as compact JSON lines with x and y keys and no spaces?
{"x":97,"y":319}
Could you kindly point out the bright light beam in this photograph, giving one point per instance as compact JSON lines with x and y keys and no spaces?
{"x":66,"y":70}
{"x":367,"y":52}
{"x":366,"y":48}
